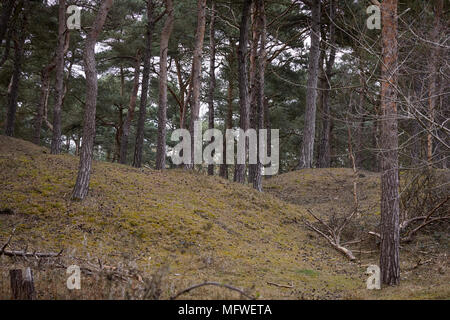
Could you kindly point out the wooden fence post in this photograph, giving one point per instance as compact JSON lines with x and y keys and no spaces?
{"x":22,"y":287}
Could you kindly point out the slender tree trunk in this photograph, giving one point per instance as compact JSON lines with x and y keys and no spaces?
{"x":307,"y":149}
{"x":324,"y":148}
{"x":59,"y":83}
{"x":19,"y":41}
{"x":130,"y":113}
{"x":389,"y":257}
{"x":45,"y":81}
{"x":359,"y":125}
{"x":196,"y":71}
{"x":137,"y":162}
{"x":162,"y":100}
{"x":253,"y":79}
{"x":185,"y":90}
{"x":433,"y":74}
{"x":260,"y":79}
{"x":268,"y":126}
{"x":244,"y":103}
{"x":229,"y":115}
{"x":212,"y":75}
{"x":77,"y":146}
{"x":84,"y":173}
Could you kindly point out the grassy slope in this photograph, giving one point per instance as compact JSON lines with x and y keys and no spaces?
{"x":204,"y":227}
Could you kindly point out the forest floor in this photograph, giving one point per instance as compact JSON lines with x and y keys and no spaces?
{"x":182,"y":228}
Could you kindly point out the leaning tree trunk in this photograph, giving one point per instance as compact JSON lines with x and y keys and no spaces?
{"x":14,"y":88}
{"x":196,"y":72}
{"x":130,"y":113}
{"x":324,"y":148}
{"x":59,"y":76}
{"x":307,"y":149}
{"x":212,"y":76}
{"x":162,"y":99}
{"x":260,"y":81}
{"x":84,"y":172}
{"x":137,"y":162}
{"x":244,"y":107}
{"x":389,"y":257}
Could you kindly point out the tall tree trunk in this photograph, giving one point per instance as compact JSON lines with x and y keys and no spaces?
{"x":19,"y":41}
{"x":59,"y":76}
{"x":389,"y":257}
{"x":267,"y":125}
{"x":137,"y":162}
{"x":130,"y":113}
{"x":433,"y":73}
{"x":253,"y":79}
{"x":84,"y":172}
{"x":324,"y":148}
{"x":162,"y":99}
{"x":229,"y":115}
{"x":45,"y":81}
{"x":359,"y":114}
{"x":212,"y":75}
{"x":307,"y":149}
{"x":260,"y":79}
{"x":196,"y":72}
{"x":244,"y":103}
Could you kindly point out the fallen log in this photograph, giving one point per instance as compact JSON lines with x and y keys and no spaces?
{"x":18,"y":253}
{"x":212,"y":284}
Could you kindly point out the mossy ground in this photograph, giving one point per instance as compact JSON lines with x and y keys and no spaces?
{"x":204,"y":227}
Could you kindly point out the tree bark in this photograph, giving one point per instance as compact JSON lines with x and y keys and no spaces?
{"x":253,"y":79}
{"x":389,"y":257}
{"x":212,"y":75}
{"x":59,"y":83}
{"x":137,"y":162}
{"x":244,"y":103}
{"x":45,"y":81}
{"x":260,"y":81}
{"x":84,"y":172}
{"x":22,"y":288}
{"x":130,"y":113}
{"x":307,"y":149}
{"x":162,"y":99}
{"x":324,"y":148}
{"x":229,"y":115}
{"x":196,"y":71}
{"x":19,"y":42}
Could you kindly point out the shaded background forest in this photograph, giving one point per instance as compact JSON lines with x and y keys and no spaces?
{"x":354,"y":81}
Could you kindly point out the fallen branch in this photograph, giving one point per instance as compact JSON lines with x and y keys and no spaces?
{"x":211,"y":284}
{"x":333,"y":236}
{"x":425,"y":223}
{"x":377,"y":235}
{"x":32,"y":254}
{"x":406,"y":223}
{"x":281,"y":285}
